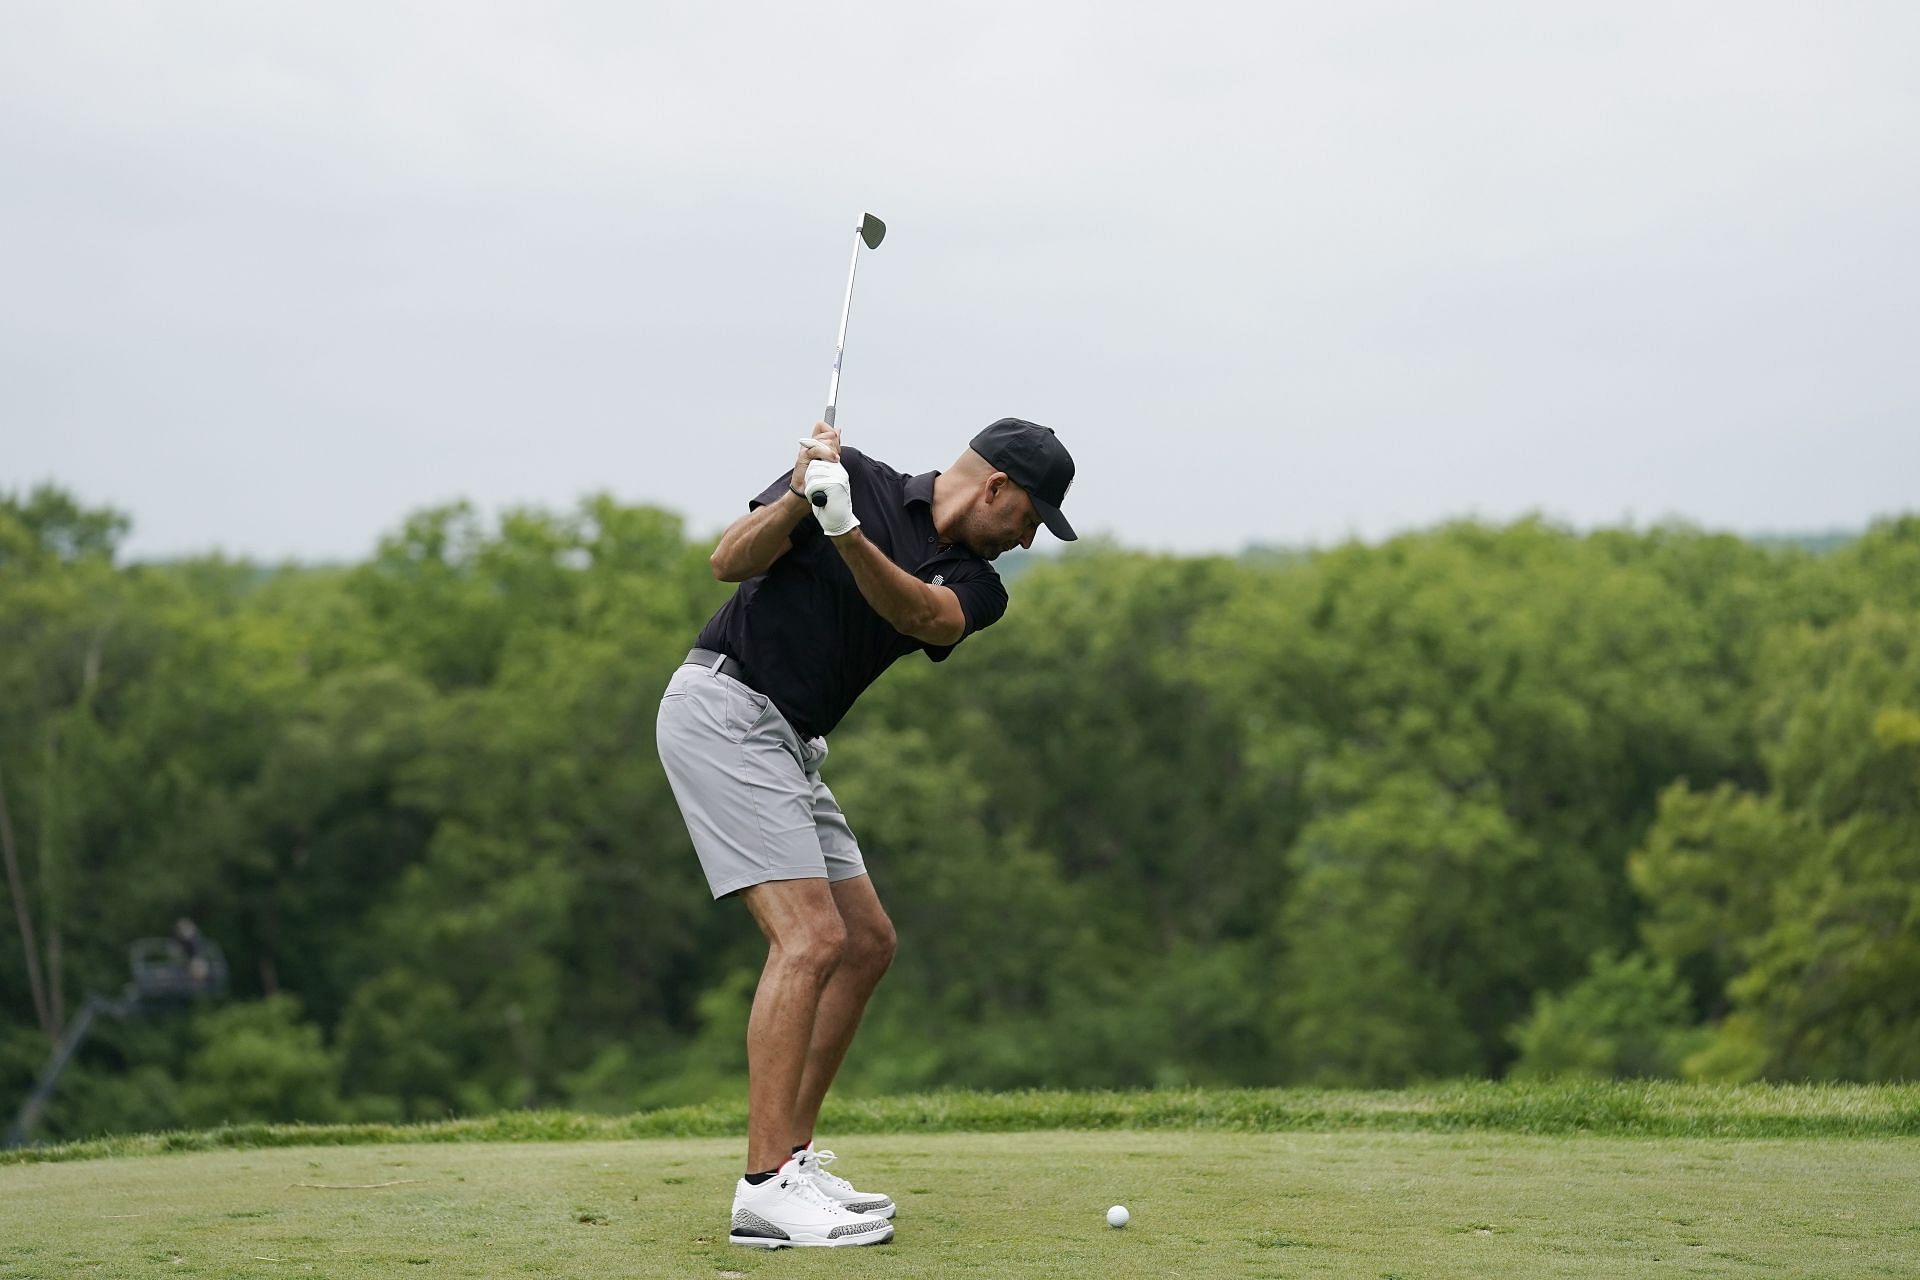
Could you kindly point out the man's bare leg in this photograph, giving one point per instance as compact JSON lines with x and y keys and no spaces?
{"x":805,"y":942}
{"x":869,"y":950}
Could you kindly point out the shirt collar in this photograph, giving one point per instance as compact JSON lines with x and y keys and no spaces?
{"x":920,"y":487}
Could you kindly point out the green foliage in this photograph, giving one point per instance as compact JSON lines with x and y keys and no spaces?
{"x":48,"y":524}
{"x":1467,"y":729}
{"x":1805,"y":903}
{"x":259,"y":1061}
{"x":1835,"y":981}
{"x":398,"y":1041}
{"x":1710,"y":870}
{"x":1364,"y":816}
{"x":1628,"y":1017}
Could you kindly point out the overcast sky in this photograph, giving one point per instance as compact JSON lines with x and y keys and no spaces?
{"x":272,"y":276}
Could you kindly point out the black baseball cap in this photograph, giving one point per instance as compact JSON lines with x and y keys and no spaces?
{"x":1033,"y":458}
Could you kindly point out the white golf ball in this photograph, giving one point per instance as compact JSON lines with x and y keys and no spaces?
{"x":1118,"y":1216}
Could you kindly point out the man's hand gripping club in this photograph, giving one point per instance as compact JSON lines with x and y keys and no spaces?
{"x":825,"y":483}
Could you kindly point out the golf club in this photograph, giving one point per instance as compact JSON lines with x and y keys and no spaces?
{"x":872,"y":231}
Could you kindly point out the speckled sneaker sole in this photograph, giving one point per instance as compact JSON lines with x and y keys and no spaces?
{"x":756,"y":1232}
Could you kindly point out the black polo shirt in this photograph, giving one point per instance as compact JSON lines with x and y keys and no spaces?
{"x":803,"y":632}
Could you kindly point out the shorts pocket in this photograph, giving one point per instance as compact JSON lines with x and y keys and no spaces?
{"x":746,"y":708}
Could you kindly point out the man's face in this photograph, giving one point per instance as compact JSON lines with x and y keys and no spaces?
{"x":1002,"y":518}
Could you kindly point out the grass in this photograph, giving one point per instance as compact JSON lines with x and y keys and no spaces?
{"x":1365,"y":1201}
{"x":1645,"y":1109}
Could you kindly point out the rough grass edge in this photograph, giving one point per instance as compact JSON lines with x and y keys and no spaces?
{"x":1632,"y":1109}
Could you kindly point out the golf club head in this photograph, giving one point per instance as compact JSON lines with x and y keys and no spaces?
{"x":872,"y":230}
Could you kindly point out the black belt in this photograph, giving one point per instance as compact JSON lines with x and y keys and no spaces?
{"x":718,"y":662}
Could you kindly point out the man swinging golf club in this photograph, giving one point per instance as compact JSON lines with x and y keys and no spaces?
{"x":844,"y":565}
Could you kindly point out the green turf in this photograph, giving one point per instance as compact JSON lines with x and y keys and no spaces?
{"x":1359,"y":1203}
{"x":1626,"y":1109}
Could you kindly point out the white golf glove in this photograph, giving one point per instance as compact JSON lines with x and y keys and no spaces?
{"x":830,"y":490}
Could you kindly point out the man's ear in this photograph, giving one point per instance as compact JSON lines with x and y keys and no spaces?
{"x":996,"y":483}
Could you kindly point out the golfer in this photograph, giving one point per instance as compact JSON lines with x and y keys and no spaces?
{"x":844,"y":565}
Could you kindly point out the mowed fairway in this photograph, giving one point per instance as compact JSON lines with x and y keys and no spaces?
{"x":1026,"y":1204}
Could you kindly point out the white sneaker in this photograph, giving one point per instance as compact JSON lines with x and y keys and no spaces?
{"x":813,"y":1165}
{"x":788,"y":1210}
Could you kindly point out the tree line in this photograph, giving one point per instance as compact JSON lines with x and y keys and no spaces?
{"x":1474,"y":801}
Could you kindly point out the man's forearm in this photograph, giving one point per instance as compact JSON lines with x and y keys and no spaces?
{"x":753,"y":542}
{"x":909,"y":605}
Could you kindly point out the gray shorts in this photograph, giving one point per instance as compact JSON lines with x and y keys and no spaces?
{"x":748,"y":787}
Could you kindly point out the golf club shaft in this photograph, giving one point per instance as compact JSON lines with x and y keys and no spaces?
{"x":840,"y":343}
